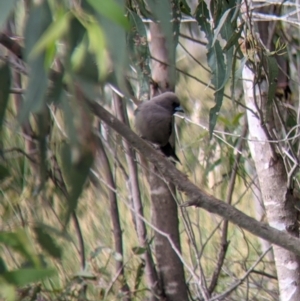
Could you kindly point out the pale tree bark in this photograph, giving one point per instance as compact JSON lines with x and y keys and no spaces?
{"x":164,"y":213}
{"x":272,"y":177}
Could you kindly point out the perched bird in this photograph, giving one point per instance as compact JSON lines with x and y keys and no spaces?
{"x":153,"y":121}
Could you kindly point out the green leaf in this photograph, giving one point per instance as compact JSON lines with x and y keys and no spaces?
{"x":111,"y":10}
{"x":25,"y":276}
{"x":119,"y":58}
{"x":139,"y":275}
{"x":213,"y":165}
{"x":55,"y":231}
{"x":138,"y":250}
{"x":55,"y":31}
{"x":184,"y":7}
{"x":4,"y":172}
{"x":143,"y":10}
{"x":5,"y":82}
{"x":96,"y":252}
{"x":83,"y":63}
{"x":3,"y":268}
{"x":47,"y":242}
{"x":77,"y":33}
{"x":233,"y":39}
{"x":55,"y":90}
{"x":5,"y":9}
{"x":217,"y":65}
{"x":75,"y":172}
{"x":203,"y":18}
{"x":39,"y":20}
{"x":236,"y":119}
{"x":86,"y":275}
{"x":220,"y":26}
{"x":35,"y":94}
{"x":97,"y":45}
{"x":214,"y":111}
{"x":139,"y":53}
{"x":226,"y":33}
{"x":271,"y":66}
{"x":19,"y":242}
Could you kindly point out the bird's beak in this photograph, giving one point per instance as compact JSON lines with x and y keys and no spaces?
{"x":179,"y":109}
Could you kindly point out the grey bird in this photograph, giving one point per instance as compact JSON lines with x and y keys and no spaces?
{"x":153,"y":121}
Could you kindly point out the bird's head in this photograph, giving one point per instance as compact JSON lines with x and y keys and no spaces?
{"x":169,"y":101}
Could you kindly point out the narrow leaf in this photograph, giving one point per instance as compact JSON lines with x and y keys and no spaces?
{"x":5,"y":9}
{"x":47,"y":243}
{"x":5,"y":82}
{"x":203,"y":18}
{"x":55,"y":31}
{"x":39,"y":20}
{"x":111,"y":10}
{"x":76,"y":173}
{"x":25,"y":276}
{"x":3,"y":268}
{"x":4,"y":172}
{"x":19,"y":242}
{"x":214,"y":112}
{"x":139,"y":53}
{"x":220,"y":26}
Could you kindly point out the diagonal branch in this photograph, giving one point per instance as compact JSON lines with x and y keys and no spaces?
{"x":197,"y":197}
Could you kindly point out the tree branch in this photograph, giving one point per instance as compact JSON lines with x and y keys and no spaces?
{"x":197,"y":197}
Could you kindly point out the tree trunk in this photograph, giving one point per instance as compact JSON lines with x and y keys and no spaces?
{"x":272,"y":177}
{"x":164,"y":208}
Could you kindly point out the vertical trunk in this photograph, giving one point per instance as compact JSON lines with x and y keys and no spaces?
{"x":164,"y":207}
{"x":272,"y":177}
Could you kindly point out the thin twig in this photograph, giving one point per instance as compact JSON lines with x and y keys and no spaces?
{"x":241,"y":280}
{"x":192,"y":39}
{"x":224,"y":242}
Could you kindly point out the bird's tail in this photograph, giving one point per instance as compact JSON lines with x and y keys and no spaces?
{"x":168,"y":151}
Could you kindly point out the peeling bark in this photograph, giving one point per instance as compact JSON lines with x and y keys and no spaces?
{"x":272,"y":177}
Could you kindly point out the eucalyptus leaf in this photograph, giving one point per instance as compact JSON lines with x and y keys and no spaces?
{"x":19,"y":242}
{"x":22,"y":277}
{"x":111,"y":10}
{"x":55,"y":31}
{"x":39,"y":20}
{"x":202,"y":17}
{"x":3,"y":268}
{"x":48,"y":244}
{"x":139,"y":53}
{"x":75,"y":171}
{"x":5,"y":82}
{"x":5,"y":9}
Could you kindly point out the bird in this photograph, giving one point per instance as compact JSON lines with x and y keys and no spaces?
{"x":153,"y":121}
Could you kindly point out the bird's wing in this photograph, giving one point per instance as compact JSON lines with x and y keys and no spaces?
{"x":153,"y":123}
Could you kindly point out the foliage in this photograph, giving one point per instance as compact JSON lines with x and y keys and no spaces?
{"x":56,"y":233}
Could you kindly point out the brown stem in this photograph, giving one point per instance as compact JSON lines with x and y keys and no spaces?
{"x":115,"y":217}
{"x":11,"y":45}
